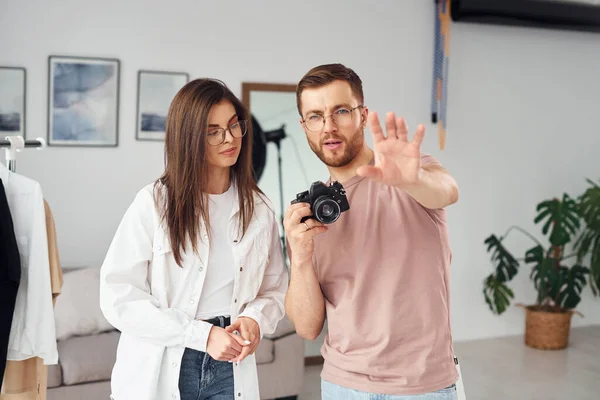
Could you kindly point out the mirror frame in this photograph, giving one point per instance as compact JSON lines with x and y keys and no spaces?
{"x":248,"y":87}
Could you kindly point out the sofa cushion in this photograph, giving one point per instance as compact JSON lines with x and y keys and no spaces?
{"x":54,"y":376}
{"x":88,"y":358}
{"x":265,"y":352}
{"x":90,"y":391}
{"x":77,"y":311}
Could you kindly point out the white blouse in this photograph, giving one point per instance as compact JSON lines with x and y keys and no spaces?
{"x":153,"y":302}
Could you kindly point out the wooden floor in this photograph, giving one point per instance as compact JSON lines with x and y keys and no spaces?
{"x":505,"y":369}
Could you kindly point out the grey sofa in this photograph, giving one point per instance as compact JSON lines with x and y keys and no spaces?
{"x":86,"y":361}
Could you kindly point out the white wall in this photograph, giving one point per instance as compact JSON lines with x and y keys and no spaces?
{"x":531,"y":95}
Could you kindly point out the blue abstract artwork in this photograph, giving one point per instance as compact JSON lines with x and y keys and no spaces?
{"x":12,"y":101}
{"x":156,"y":90}
{"x":83,"y":102}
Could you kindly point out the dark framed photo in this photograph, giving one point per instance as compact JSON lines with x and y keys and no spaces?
{"x":13,"y":83}
{"x":83,"y":101}
{"x":156,"y":90}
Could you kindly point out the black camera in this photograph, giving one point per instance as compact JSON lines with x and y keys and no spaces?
{"x":326,"y":202}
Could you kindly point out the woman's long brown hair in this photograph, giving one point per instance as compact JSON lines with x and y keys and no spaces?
{"x":181,"y":192}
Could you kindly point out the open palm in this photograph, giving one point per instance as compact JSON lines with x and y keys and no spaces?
{"x":397,"y":160}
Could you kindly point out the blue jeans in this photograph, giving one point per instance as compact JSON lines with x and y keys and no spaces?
{"x":203,"y":378}
{"x":330,"y":391}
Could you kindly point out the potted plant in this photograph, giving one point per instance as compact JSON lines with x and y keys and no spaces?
{"x":560,"y":269}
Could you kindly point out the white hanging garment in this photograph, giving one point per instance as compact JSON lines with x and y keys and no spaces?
{"x":33,"y":332}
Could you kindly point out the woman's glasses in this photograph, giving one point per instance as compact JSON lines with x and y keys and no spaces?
{"x":216,"y":136}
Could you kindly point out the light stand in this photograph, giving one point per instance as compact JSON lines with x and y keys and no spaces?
{"x":275,"y":136}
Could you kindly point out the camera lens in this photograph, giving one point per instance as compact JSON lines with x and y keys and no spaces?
{"x":326,"y":210}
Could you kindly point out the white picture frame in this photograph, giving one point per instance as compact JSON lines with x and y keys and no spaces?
{"x":156,"y":90}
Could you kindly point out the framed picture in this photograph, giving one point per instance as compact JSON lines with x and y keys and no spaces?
{"x":83,"y":101}
{"x":156,"y":90}
{"x":12,"y":101}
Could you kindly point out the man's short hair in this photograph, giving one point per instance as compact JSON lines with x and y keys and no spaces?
{"x":325,"y":74}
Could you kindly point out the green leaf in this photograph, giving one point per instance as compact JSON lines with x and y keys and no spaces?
{"x":562,"y":217}
{"x":506,"y":265}
{"x":595,"y":268}
{"x":575,"y":280}
{"x":594,"y":251}
{"x":548,"y":278}
{"x":497,"y":294}
{"x":589,"y":242}
{"x":539,"y":272}
{"x":589,"y":206}
{"x":535,"y":255}
{"x":585,"y":242}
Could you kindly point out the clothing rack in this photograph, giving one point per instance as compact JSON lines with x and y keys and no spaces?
{"x":15,"y":144}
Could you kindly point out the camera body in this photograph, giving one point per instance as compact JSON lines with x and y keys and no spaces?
{"x":326,"y":202}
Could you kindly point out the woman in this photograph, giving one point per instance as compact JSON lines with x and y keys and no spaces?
{"x":195,"y":274}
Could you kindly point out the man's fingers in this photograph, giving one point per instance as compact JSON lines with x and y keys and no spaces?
{"x":288,"y":219}
{"x":310,"y":223}
{"x":314,"y":231}
{"x":296,"y":214}
{"x":294,"y":207}
{"x":390,"y":125}
{"x":402,"y":129}
{"x":419,"y":135}
{"x":301,"y":229}
{"x":375,"y":127}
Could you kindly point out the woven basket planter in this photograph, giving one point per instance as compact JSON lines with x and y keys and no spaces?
{"x":547,"y":330}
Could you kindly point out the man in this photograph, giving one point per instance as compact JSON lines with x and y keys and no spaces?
{"x":380,"y":273}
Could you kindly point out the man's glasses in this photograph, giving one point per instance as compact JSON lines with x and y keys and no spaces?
{"x":216,"y":136}
{"x":341,"y":117}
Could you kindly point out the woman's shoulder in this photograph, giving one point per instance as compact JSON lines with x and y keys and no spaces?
{"x":146,"y":198}
{"x":263,"y":205}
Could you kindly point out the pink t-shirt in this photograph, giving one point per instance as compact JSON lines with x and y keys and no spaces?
{"x":383,"y":267}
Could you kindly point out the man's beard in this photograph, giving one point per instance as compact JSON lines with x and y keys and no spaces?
{"x":351,"y":149}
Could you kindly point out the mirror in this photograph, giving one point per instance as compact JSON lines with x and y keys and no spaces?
{"x":284,"y":163}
